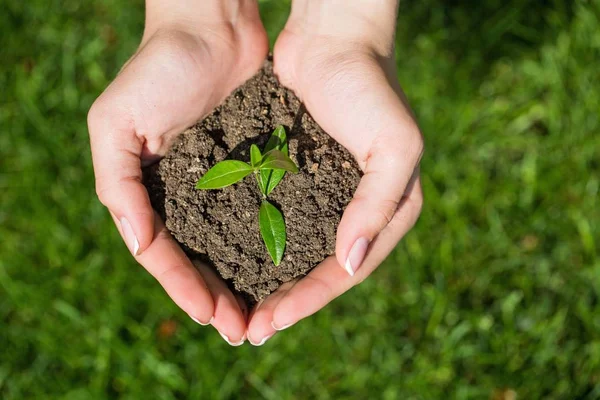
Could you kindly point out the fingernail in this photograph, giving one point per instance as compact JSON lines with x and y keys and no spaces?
{"x":130,"y":239}
{"x":202,"y":323}
{"x":356,"y":255}
{"x":236,"y":344}
{"x":263,"y":341}
{"x":282,"y":327}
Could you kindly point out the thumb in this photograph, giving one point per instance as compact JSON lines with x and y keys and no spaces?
{"x":391,"y":167}
{"x":388,"y":145}
{"x":116,"y":151}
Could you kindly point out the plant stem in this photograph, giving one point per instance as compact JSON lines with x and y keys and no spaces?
{"x":256,"y":172}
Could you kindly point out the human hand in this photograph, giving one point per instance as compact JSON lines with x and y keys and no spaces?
{"x":191,"y":57}
{"x":339,"y":59}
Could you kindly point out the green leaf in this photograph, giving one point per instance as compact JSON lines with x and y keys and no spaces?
{"x":272,"y":230}
{"x":255,"y":159}
{"x":276,"y":159}
{"x":255,"y":156}
{"x":272,"y":179}
{"x":261,"y":184}
{"x":224,"y":174}
{"x":277,"y":141}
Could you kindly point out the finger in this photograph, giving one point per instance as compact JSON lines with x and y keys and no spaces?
{"x":116,"y":157}
{"x":260,"y":325}
{"x":328,"y":280}
{"x":228,"y":319}
{"x":166,"y":262}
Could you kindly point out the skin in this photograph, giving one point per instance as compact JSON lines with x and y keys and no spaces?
{"x":338,"y":57}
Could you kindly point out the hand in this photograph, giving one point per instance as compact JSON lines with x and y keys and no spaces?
{"x":191,"y":57}
{"x":339,"y":59}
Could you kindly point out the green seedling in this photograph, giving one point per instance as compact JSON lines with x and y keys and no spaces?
{"x":269,"y":168}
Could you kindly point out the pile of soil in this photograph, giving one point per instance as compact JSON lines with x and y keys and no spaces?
{"x":220,"y":226}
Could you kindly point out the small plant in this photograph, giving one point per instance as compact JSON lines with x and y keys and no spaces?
{"x":269,"y":168}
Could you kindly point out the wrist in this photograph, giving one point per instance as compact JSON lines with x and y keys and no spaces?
{"x":372,"y":22}
{"x":193,"y":16}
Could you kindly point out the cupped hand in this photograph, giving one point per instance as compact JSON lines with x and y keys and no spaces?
{"x":340,"y":62}
{"x":179,"y":74}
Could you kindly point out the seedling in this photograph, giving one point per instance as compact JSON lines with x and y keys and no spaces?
{"x":269,"y":168}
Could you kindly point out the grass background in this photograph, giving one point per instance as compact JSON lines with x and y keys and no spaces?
{"x":495,"y":293}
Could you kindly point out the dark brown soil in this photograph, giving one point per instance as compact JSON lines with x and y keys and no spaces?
{"x":221,"y":226}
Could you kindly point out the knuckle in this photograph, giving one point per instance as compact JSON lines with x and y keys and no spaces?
{"x":325,"y":291}
{"x":115,"y":192}
{"x":108,"y":188}
{"x":394,"y":150}
{"x":170,"y":273}
{"x":387,"y":151}
{"x":102,"y":112}
{"x":101,"y":193}
{"x":386,"y":212}
{"x":383,"y":209}
{"x":94,"y":114}
{"x":418,"y":144}
{"x":416,"y":138}
{"x":418,"y":204}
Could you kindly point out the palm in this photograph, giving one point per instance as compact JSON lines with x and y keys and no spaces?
{"x":172,"y":82}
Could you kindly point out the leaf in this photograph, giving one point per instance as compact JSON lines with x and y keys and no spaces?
{"x":255,"y":156}
{"x":272,"y":230}
{"x":277,"y":141}
{"x":224,"y":174}
{"x":272,"y":179}
{"x":276,"y":159}
{"x":261,"y":183}
{"x":255,"y":159}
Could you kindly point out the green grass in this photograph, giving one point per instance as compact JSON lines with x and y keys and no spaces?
{"x":497,"y":288}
